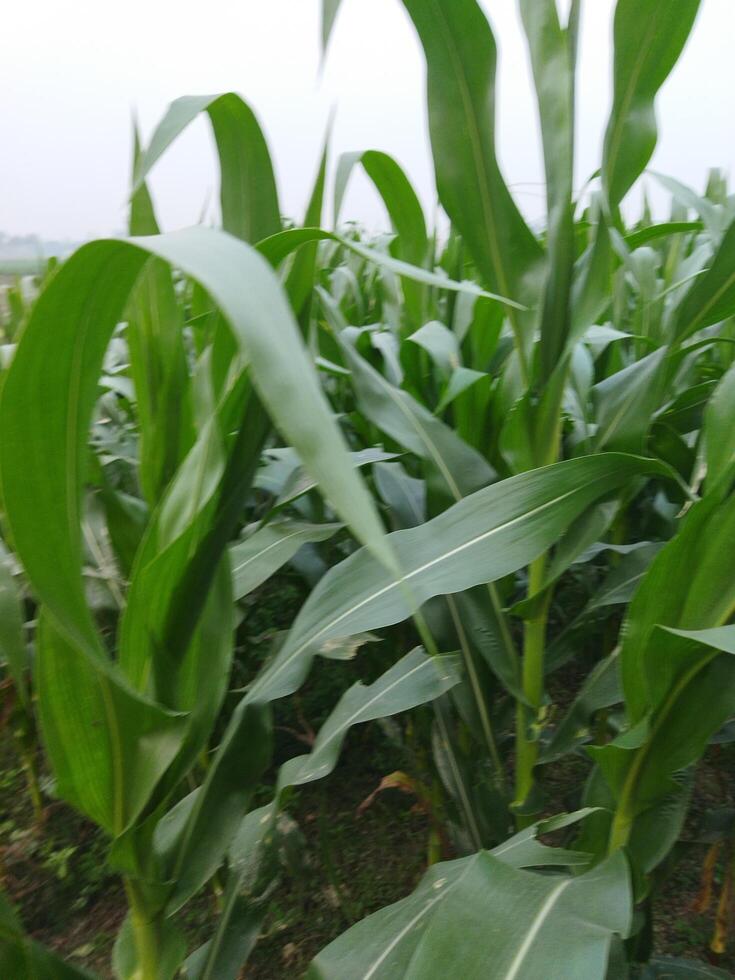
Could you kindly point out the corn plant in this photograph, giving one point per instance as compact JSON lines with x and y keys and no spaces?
{"x":481,"y":419}
{"x":126,"y":710}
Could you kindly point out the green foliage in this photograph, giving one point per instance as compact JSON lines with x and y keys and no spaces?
{"x":485,"y":451}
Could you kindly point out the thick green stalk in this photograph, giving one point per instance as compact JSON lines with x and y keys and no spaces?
{"x":145,"y":932}
{"x":534,"y":636}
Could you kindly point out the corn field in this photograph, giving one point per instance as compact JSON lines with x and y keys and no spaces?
{"x":501,"y":459}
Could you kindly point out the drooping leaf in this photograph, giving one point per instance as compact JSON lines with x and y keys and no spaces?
{"x":648,"y":39}
{"x":258,"y":556}
{"x":404,"y":419}
{"x":540,"y":926}
{"x":248,"y":194}
{"x":399,"y":197}
{"x":414,"y":680}
{"x":404,"y":209}
{"x":279,"y":246}
{"x":84,"y":301}
{"x":485,"y":536}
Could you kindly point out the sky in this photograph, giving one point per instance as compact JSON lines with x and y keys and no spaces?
{"x":72,"y":74}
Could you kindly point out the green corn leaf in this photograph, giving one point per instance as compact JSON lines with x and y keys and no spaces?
{"x":553,"y":57}
{"x":184,"y":543}
{"x":108,"y":746}
{"x":651,"y":234}
{"x":719,"y":431}
{"x":691,"y":689}
{"x":238,"y":930}
{"x":279,"y":246}
{"x":590,"y":527}
{"x":157,"y":360}
{"x":525,"y":850}
{"x":405,"y":495}
{"x":688,"y":586}
{"x":395,"y":412}
{"x":711,"y":297}
{"x":487,"y":628}
{"x":404,"y":210}
{"x":542,"y":926}
{"x":678,"y":686}
{"x":485,"y":536}
{"x":21,"y":957}
{"x":84,"y":301}
{"x":197,"y":681}
{"x":192,"y":838}
{"x":625,"y":403}
{"x":299,"y":481}
{"x":300,"y":280}
{"x":591,"y":287}
{"x":462,"y":379}
{"x":248,"y":193}
{"x":126,"y":517}
{"x":255,"y":559}
{"x":330,"y":9}
{"x":461,"y":57}
{"x":711,"y":217}
{"x":414,"y":680}
{"x":440,"y":344}
{"x":601,"y":689}
{"x":649,"y":37}
{"x":403,"y":206}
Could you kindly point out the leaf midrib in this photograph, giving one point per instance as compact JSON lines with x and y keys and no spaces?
{"x":396,"y":583}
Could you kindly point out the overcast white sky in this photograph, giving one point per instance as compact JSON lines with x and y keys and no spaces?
{"x":71,"y":73}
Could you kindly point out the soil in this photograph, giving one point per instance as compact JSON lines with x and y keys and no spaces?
{"x":353,"y":862}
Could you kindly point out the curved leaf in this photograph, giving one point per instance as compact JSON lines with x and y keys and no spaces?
{"x":248,"y":193}
{"x":47,"y":401}
{"x":461,"y":59}
{"x":649,"y":37}
{"x":277,"y":247}
{"x":481,"y":918}
{"x":711,"y":297}
{"x":255,"y":559}
{"x":485,"y":536}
